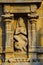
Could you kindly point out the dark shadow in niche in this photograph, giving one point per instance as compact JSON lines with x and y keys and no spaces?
{"x":3,"y":27}
{"x":15,"y":18}
{"x":26,"y":24}
{"x":3,"y":35}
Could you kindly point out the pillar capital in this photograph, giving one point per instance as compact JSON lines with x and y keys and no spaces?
{"x":8,"y":17}
{"x":33,"y":16}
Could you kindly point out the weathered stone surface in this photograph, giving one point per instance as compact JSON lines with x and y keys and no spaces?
{"x":19,"y":1}
{"x":21,"y":39}
{"x":9,"y":35}
{"x":16,"y":9}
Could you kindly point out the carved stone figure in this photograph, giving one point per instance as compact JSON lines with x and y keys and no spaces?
{"x":20,"y":35}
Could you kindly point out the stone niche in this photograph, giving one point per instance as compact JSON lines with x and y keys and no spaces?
{"x":19,"y":16}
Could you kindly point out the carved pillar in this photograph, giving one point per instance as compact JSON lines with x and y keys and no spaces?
{"x":8,"y":18}
{"x":32,"y":33}
{"x":33,"y":38}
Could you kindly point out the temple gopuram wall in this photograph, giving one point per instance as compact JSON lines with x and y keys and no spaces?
{"x":21,"y":32}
